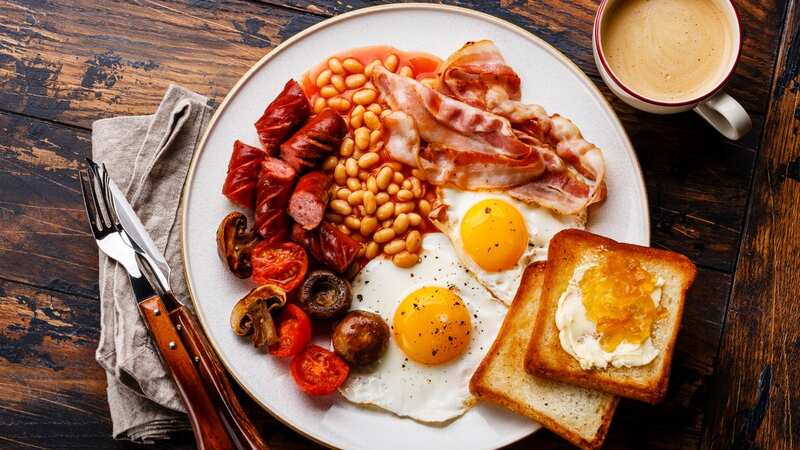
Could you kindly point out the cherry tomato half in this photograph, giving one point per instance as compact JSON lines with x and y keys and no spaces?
{"x":317,"y":371}
{"x":284,"y":264}
{"x":294,"y":331}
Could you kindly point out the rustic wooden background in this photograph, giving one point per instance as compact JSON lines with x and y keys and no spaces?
{"x":731,"y":206}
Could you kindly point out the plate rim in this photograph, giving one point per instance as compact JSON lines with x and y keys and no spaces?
{"x":326,"y":23}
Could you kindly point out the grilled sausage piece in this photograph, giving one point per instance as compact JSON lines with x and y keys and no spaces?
{"x":283,"y":116}
{"x":272,"y":196}
{"x":361,"y":337}
{"x":310,"y":197}
{"x":328,"y":245}
{"x":242,"y":177}
{"x":321,"y":136}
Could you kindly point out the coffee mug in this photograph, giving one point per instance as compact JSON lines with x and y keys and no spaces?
{"x":626,"y":27}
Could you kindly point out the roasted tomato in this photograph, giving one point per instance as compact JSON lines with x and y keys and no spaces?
{"x":283,"y":264}
{"x":294,"y":332}
{"x":318,"y":371}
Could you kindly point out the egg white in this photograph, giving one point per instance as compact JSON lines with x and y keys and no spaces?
{"x":427,"y":393}
{"x":542,"y":225}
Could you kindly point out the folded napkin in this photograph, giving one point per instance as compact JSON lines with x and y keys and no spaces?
{"x":148,"y":157}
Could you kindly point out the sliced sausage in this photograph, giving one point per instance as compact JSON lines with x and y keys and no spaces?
{"x":320,"y":136}
{"x":283,"y":116}
{"x":310,"y":197}
{"x":273,"y":190}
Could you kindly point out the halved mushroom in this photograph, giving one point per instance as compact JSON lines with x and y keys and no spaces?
{"x":252,"y":316}
{"x":235,"y":242}
{"x":324,"y":295}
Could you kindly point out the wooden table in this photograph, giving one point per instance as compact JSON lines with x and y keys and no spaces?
{"x":730,"y":206}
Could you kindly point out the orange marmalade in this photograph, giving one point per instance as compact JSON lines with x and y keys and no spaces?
{"x":617,"y":295}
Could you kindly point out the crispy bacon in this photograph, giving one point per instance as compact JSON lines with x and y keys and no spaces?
{"x":468,"y":72}
{"x":467,"y":147}
{"x":243,"y":168}
{"x":475,"y":171}
{"x":283,"y":116}
{"x":328,"y":245}
{"x":402,"y":142}
{"x":274,"y":188}
{"x":478,"y":74}
{"x":442,"y":120}
{"x":321,"y":136}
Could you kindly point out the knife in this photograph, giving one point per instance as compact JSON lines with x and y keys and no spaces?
{"x":217,"y":419}
{"x":208,"y":365}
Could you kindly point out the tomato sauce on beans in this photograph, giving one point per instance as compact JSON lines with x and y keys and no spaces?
{"x":374,"y":199}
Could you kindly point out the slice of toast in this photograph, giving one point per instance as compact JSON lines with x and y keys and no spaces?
{"x":581,"y":416}
{"x":547,"y":358}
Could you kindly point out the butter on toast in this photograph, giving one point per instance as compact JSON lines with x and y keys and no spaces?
{"x":580,"y":415}
{"x":547,"y":358}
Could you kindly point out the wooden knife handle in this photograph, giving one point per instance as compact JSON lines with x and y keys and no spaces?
{"x":216,"y":380}
{"x":207,"y":423}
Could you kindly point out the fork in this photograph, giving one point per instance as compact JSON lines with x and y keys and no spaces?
{"x":212,"y":429}
{"x":107,"y":231}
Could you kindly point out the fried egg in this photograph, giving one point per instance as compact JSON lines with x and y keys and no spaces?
{"x":442,"y":321}
{"x":496,"y":236}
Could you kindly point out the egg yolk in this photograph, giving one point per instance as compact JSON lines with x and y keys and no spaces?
{"x":617,"y":295}
{"x":494,"y":235}
{"x":432,"y":325}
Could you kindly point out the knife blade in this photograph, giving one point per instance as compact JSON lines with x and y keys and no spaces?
{"x":138,"y":234}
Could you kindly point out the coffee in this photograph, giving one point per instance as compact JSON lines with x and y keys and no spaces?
{"x":668,"y":50}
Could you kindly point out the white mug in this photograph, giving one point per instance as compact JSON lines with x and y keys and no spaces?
{"x":721,"y":110}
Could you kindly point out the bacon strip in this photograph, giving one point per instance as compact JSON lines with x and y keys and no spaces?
{"x":479,"y":75}
{"x":466,"y":74}
{"x":468,"y":148}
{"x":443,"y":120}
{"x":475,"y":171}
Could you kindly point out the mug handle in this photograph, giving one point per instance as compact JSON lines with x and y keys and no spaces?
{"x":725,"y":114}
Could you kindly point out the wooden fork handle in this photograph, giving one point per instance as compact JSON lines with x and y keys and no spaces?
{"x":216,"y":380}
{"x":205,"y":417}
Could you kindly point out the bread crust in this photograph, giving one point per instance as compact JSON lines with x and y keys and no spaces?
{"x":482,"y":388}
{"x":545,"y":356}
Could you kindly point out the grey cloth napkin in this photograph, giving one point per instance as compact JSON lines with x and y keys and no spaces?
{"x":148,"y":157}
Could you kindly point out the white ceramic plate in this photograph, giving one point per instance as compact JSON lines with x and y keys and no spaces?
{"x":548,"y":78}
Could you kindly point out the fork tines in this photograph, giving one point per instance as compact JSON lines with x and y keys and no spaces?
{"x":96,"y":199}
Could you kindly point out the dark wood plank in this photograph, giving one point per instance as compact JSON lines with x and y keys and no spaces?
{"x":44,"y":240}
{"x":52,"y":389}
{"x":756,"y":397}
{"x":78,"y":61}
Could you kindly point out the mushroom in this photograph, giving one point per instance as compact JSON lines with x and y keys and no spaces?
{"x":251,"y":315}
{"x":235,"y":242}
{"x":324,"y":295}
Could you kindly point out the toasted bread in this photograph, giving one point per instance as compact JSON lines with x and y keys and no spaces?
{"x":581,"y":416}
{"x":547,"y":358}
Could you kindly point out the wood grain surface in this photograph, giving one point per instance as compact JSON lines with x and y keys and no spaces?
{"x":755,"y":388}
{"x":64,"y":64}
